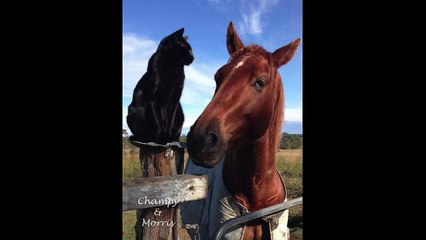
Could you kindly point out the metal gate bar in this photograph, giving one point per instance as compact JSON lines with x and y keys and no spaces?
{"x":254,"y":215}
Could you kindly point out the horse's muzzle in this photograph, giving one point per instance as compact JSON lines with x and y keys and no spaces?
{"x":205,"y":149}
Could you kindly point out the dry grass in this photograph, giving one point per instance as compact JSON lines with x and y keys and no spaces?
{"x":290,"y":154}
{"x":129,"y":221}
{"x":289,"y":164}
{"x":131,"y":164}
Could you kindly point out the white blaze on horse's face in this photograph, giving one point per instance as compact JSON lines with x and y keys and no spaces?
{"x":239,"y":64}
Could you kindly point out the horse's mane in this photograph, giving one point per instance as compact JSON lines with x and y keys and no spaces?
{"x":278,"y":116}
{"x":247,"y":50}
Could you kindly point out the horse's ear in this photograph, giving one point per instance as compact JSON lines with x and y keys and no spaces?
{"x":285,"y":54}
{"x":233,"y":42}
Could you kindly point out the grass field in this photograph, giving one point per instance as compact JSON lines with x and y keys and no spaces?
{"x":289,"y":164}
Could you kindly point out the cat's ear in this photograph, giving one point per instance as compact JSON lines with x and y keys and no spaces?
{"x":186,"y":38}
{"x":178,"y":33}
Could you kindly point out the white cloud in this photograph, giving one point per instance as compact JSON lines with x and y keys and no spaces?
{"x":189,"y":121}
{"x":133,"y":44}
{"x":251,"y":13}
{"x":198,"y":91}
{"x":293,"y":114}
{"x":250,"y":22}
{"x":136,"y":53}
{"x":217,"y":2}
{"x":202,"y":82}
{"x":124,"y":120}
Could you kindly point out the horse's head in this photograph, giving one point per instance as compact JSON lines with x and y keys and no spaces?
{"x":248,"y":101}
{"x":176,"y":47}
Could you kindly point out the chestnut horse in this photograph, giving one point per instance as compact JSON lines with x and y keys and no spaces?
{"x":242,"y":126}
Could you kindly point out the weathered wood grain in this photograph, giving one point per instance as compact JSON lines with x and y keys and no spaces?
{"x":157,"y":161}
{"x":180,"y":188}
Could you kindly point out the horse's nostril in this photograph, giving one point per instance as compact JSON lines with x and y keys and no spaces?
{"x":213,"y":139}
{"x":210,"y":142}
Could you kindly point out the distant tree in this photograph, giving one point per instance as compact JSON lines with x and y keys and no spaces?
{"x":182,"y":138}
{"x":291,"y":141}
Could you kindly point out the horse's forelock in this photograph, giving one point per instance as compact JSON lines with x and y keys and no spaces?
{"x":247,"y":50}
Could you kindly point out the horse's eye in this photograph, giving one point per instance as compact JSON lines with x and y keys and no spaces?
{"x":259,"y":84}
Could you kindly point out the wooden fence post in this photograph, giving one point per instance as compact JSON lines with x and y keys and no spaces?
{"x":159,"y":161}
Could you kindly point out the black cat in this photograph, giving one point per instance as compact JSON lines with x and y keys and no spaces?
{"x":155,"y":113}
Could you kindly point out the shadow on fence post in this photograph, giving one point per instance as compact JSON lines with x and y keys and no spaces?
{"x":157,"y":222}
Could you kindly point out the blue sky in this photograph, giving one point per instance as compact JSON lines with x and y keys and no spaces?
{"x":269,"y":23}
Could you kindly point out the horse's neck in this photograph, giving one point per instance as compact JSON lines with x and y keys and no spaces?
{"x":250,"y":175}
